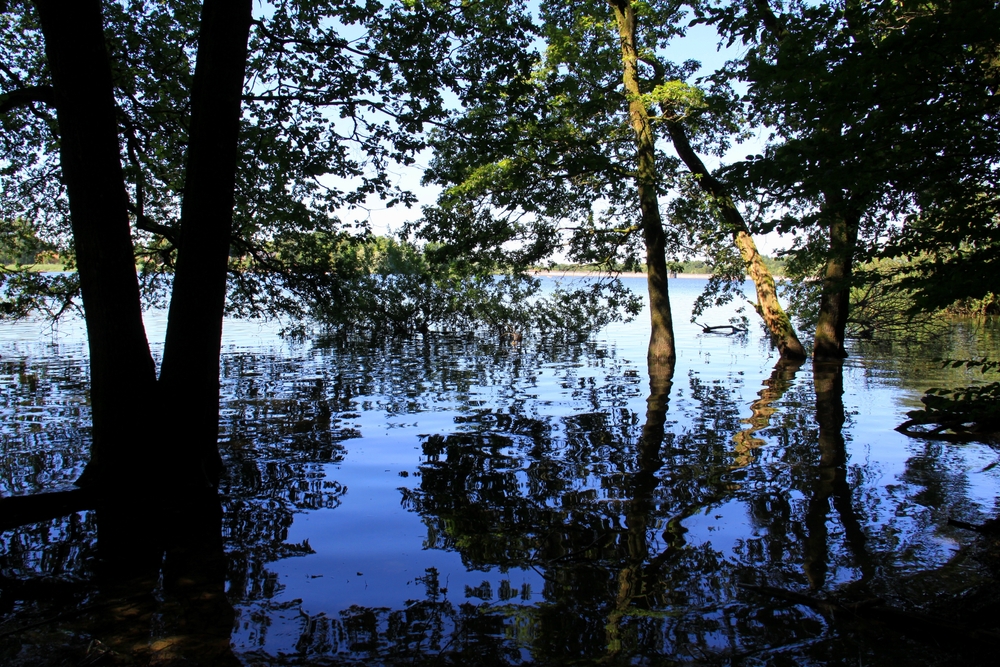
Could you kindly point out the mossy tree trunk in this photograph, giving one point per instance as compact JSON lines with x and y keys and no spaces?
{"x":775,"y":318}
{"x":662,"y":348}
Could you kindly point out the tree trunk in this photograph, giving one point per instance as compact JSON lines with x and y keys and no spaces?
{"x":843,"y":225}
{"x":122,"y":371}
{"x":662,"y":349}
{"x":768,"y":306}
{"x":834,"y":305}
{"x":189,"y":376}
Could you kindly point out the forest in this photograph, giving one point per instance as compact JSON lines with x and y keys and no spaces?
{"x":227,"y":160}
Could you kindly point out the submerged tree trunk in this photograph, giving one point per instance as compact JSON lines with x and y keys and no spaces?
{"x":189,"y":376}
{"x":768,"y":306}
{"x":835,"y":303}
{"x":662,"y":349}
{"x":122,"y":371}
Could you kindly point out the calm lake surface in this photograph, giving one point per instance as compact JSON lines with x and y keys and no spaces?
{"x":487,"y":502}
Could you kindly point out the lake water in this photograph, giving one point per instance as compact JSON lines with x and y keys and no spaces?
{"x":485,"y":502}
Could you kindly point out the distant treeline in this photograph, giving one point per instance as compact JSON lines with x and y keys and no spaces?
{"x":21,"y":247}
{"x":775,"y":265}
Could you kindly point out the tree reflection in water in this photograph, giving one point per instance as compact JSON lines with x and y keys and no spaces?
{"x":602,"y":534}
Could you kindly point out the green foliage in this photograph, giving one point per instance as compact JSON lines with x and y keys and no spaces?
{"x":966,"y":413}
{"x":881,"y":311}
{"x":554,"y":165}
{"x":987,"y":306}
{"x":336,"y":93}
{"x":21,"y":247}
{"x":885,"y":111}
{"x":388,"y":287}
{"x":24,"y":289}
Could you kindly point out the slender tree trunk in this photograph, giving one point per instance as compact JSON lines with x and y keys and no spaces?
{"x":768,"y":306}
{"x":189,"y":376}
{"x":834,"y":307}
{"x":122,"y":371}
{"x":662,"y":349}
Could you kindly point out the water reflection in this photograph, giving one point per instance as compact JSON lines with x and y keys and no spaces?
{"x":831,"y":481}
{"x":544,"y":502}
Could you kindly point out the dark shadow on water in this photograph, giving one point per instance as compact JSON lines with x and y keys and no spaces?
{"x":153,"y":590}
{"x":161,"y":579}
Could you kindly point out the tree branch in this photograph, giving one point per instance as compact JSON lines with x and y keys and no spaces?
{"x":25,"y":96}
{"x":147,"y":224}
{"x":770,"y":21}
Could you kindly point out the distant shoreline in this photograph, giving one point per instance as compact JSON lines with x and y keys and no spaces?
{"x":585,"y":274}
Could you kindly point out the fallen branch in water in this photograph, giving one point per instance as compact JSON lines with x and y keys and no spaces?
{"x":722,"y":329}
{"x":17,"y":511}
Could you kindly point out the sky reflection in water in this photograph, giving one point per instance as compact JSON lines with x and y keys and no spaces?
{"x":454,"y":496}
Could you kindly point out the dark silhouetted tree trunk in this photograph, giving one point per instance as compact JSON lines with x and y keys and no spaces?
{"x":126,"y":398}
{"x":189,"y":376}
{"x":122,"y":370}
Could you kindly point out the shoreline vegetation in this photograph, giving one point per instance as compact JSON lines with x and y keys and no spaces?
{"x":36,"y":268}
{"x":691,"y":268}
{"x":583,"y":273}
{"x":576,"y":272}
{"x":571,"y":271}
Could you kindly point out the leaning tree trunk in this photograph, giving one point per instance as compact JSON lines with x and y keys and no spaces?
{"x":661,"y":341}
{"x":768,"y":306}
{"x":122,"y":371}
{"x":834,"y":307}
{"x":189,"y":375}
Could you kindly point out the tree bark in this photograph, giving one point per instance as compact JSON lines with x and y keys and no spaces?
{"x":122,"y":373}
{"x":662,"y":349}
{"x":189,"y":375}
{"x":768,"y":306}
{"x":834,"y":307}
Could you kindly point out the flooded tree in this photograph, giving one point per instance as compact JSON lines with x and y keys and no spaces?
{"x":858,"y":165}
{"x":568,"y":162}
{"x":202,"y":102}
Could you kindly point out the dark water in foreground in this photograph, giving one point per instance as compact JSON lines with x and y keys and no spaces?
{"x":482,"y":502}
